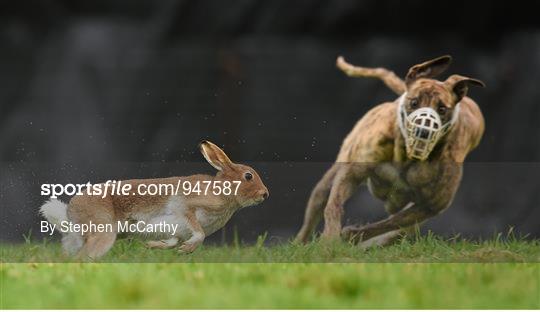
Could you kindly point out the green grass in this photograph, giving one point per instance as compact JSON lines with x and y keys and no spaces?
{"x":428,"y":248}
{"x":277,"y":285}
{"x":454,"y":274}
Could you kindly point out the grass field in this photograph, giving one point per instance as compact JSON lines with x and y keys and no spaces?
{"x":424,"y":273}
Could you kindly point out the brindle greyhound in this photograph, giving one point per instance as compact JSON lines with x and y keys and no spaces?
{"x":409,"y":151}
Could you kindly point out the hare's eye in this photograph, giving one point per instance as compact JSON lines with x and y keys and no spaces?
{"x":248,"y":176}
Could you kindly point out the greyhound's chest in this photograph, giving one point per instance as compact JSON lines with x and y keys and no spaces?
{"x":401,"y":183}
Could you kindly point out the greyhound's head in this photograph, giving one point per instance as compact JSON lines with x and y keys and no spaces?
{"x":429,"y":107}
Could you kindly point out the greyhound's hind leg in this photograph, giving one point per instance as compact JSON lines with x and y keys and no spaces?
{"x":386,"y":239}
{"x":317,"y":202}
{"x":406,"y":218}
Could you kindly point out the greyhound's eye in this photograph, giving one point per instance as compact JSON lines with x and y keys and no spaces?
{"x":248,"y":176}
{"x":413,"y":103}
{"x":442,"y":109}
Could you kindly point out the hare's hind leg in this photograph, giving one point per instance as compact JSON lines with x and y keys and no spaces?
{"x":163,"y":244}
{"x":97,"y":244}
{"x":88,"y":210}
{"x":317,"y":202}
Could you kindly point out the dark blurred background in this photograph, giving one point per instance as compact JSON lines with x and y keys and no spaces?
{"x":110,"y":89}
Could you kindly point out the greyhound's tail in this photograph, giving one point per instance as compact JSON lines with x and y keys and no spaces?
{"x":390,"y":79}
{"x":55,"y":211}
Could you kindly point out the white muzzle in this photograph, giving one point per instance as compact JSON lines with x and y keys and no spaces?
{"x":422,"y":129}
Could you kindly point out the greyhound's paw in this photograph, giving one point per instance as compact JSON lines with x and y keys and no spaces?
{"x":330,"y":236}
{"x":301,"y":238}
{"x":351,"y":233}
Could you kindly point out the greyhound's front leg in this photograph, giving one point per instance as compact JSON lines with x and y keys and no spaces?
{"x":344,"y":184}
{"x":402,"y":219}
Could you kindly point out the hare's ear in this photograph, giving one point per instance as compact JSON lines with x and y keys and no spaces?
{"x":429,"y":69}
{"x":460,"y":85}
{"x":214,"y":155}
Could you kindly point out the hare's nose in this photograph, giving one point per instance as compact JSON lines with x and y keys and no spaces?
{"x":265,"y":195}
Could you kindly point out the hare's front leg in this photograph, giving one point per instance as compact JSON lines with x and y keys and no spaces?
{"x":197,"y":233}
{"x":163,"y":244}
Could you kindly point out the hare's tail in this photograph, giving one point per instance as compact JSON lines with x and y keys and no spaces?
{"x":55,"y":211}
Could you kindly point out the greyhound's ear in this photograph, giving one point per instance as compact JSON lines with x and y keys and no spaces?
{"x":428,"y":69}
{"x":460,"y":85}
{"x":214,"y":155}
